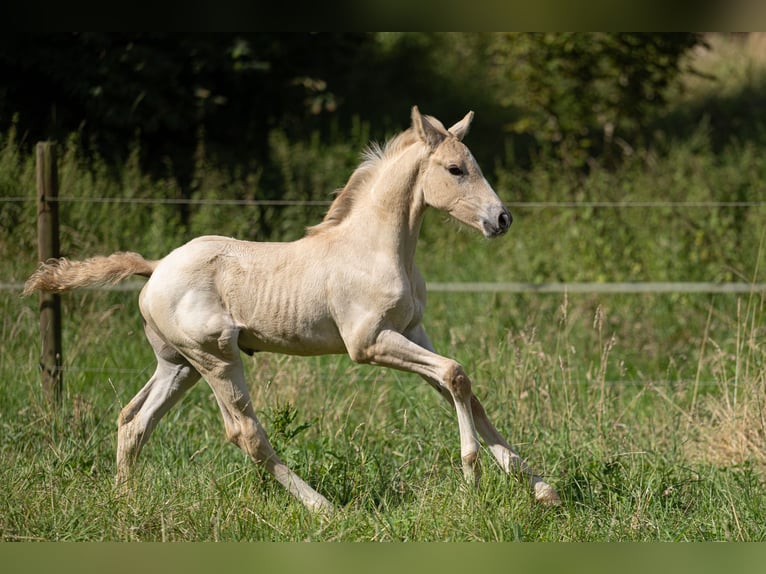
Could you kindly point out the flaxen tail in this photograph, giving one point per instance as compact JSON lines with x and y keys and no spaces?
{"x":58,"y":275}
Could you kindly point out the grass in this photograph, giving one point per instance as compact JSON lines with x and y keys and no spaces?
{"x":644,"y":411}
{"x":633,"y":460}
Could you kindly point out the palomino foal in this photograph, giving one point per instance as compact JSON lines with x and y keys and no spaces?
{"x":349,"y":286}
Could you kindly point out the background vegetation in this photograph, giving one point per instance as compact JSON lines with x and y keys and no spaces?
{"x":625,"y":158}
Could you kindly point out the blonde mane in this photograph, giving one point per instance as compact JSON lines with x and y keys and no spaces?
{"x":372,"y":157}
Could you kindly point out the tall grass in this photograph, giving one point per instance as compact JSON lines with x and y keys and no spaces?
{"x":378,"y":443}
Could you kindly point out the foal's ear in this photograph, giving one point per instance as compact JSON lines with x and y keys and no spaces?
{"x":460,"y":129}
{"x":428,"y":131}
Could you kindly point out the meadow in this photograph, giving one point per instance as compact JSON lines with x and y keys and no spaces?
{"x":644,"y":410}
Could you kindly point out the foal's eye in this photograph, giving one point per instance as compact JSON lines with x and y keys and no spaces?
{"x":455,"y":170}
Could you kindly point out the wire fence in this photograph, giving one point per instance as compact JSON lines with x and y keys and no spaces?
{"x":325,"y":203}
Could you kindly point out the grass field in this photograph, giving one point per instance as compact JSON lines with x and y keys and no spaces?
{"x":633,"y":459}
{"x":645,"y":411}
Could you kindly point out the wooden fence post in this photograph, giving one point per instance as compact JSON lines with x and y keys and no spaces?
{"x":48,"y":247}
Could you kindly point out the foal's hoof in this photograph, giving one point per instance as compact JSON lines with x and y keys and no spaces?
{"x":544,"y":494}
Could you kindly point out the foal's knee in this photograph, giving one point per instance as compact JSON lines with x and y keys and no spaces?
{"x":458,"y":383}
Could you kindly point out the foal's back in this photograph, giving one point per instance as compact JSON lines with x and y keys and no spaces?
{"x":273,"y":296}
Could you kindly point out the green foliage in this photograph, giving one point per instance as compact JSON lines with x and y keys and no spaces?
{"x":163,"y":88}
{"x":571,"y":95}
{"x":284,"y":425}
{"x":580,"y":95}
{"x":16,"y":182}
{"x":312,"y":171}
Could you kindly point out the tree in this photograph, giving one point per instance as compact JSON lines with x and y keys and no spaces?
{"x":168,"y":90}
{"x":578,"y":94}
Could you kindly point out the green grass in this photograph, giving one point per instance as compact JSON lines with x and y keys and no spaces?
{"x":644,"y":411}
{"x":631,"y":459}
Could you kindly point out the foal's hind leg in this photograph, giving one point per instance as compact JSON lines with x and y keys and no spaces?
{"x":221,"y":366}
{"x":509,"y":460}
{"x":172,"y":378}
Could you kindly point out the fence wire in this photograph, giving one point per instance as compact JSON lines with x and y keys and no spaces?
{"x":325,"y":203}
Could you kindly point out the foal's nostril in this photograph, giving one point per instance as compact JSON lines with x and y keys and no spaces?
{"x":504,"y":221}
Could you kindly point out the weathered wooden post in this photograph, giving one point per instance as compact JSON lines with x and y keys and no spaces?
{"x":48,"y":247}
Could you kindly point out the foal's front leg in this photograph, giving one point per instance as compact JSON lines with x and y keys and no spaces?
{"x":392,"y":349}
{"x":509,"y":460}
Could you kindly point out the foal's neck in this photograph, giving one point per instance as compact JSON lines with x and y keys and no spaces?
{"x":393,"y":207}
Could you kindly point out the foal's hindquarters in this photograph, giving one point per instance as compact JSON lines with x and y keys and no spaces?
{"x":194,"y":336}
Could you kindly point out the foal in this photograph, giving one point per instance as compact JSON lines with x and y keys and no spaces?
{"x":350,"y":285}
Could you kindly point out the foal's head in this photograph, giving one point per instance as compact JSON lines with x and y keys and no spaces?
{"x":452,"y":180}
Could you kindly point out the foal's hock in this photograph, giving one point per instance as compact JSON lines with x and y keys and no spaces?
{"x":350,"y":285}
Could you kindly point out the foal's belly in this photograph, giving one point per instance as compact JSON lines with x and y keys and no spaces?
{"x":320,"y":339}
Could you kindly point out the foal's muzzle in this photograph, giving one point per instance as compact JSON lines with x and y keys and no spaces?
{"x":499,"y":223}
